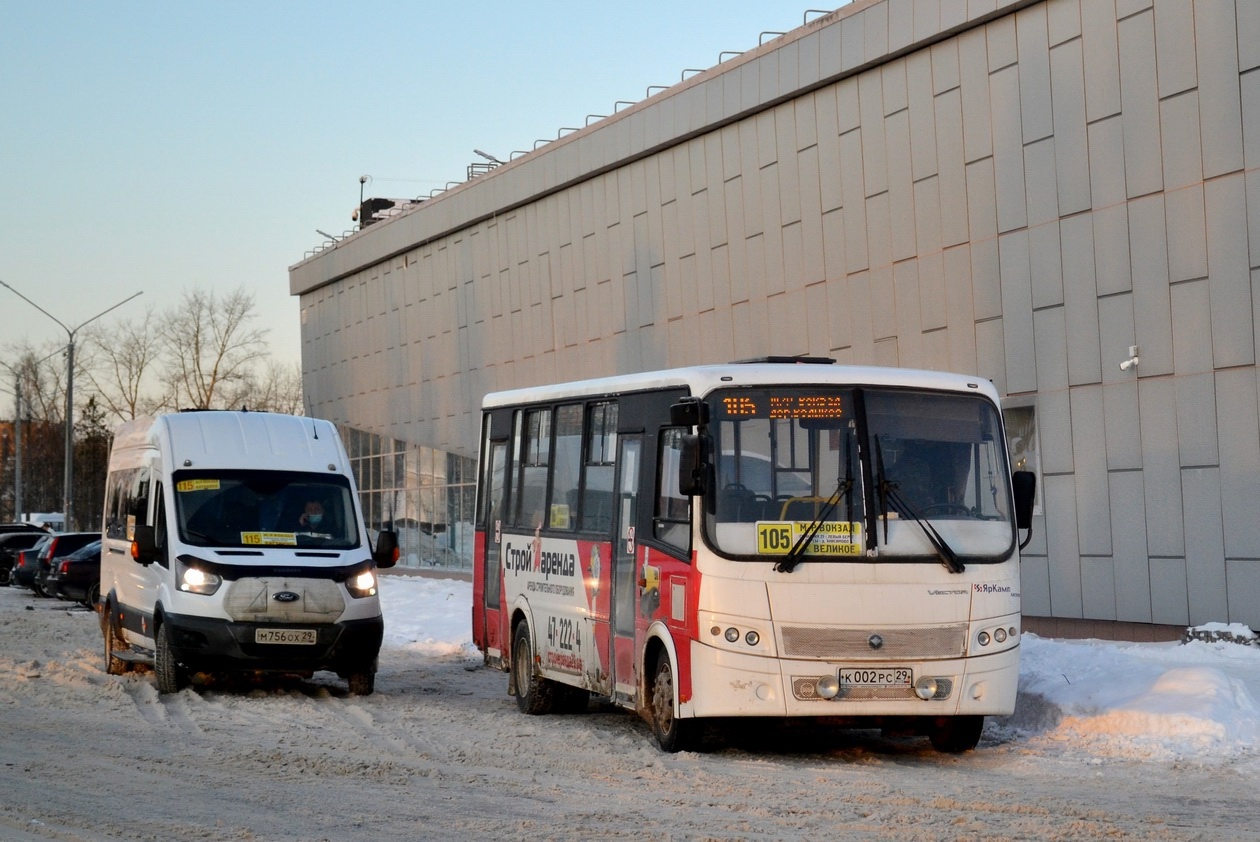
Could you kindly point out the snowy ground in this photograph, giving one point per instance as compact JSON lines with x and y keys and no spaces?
{"x":1145,"y":741}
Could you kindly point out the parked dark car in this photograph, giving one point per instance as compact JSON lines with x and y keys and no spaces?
{"x":26,"y":565}
{"x":61,"y":545}
{"x":12,"y":543}
{"x":21,"y":527}
{"x":77,"y":576}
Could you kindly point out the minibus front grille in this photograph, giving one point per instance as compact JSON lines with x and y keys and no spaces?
{"x":251,"y":600}
{"x":874,"y":644}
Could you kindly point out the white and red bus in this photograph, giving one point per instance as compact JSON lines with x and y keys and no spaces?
{"x":760,"y":539}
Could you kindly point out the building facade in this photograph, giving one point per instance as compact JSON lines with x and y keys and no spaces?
{"x":1033,"y":192}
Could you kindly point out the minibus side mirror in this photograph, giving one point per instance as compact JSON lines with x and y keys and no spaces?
{"x":691,"y":465}
{"x":144,"y":545}
{"x":386,"y":553}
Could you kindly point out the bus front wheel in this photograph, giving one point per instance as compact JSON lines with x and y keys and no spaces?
{"x":956,"y":734}
{"x":673,"y":734}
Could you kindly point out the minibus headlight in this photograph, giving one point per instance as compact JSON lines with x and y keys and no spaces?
{"x":362,"y":584}
{"x":196,"y":580}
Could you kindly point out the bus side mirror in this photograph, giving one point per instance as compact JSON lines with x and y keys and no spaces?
{"x":692,"y":467}
{"x":144,"y":545}
{"x":386,"y":553}
{"x":1025,"y":485}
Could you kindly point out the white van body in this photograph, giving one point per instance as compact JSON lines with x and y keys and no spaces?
{"x":48,"y":521}
{"x":212,"y":561}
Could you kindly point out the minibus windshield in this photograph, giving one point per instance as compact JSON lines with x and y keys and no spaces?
{"x":265,"y":508}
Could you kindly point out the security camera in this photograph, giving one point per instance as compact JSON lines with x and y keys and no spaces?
{"x":1128,"y":364}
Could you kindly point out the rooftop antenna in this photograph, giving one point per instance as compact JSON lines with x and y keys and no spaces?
{"x":487,"y":156}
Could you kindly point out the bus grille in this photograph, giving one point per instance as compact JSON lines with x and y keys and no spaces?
{"x":249,"y":600}
{"x":920,"y":644}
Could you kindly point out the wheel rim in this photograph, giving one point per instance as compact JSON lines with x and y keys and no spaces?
{"x":520,"y":666}
{"x":663,"y":699}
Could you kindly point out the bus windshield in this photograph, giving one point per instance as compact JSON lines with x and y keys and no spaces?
{"x":838,"y":474}
{"x":265,"y":508}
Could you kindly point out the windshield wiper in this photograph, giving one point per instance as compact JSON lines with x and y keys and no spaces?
{"x":888,"y":492}
{"x":793,"y":558}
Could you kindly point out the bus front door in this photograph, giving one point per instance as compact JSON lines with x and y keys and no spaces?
{"x":625,"y":574}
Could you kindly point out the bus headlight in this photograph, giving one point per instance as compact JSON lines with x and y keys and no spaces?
{"x":925,"y":687}
{"x":362,"y":584}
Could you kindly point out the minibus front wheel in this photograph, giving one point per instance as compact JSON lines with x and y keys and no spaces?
{"x":171,"y":678}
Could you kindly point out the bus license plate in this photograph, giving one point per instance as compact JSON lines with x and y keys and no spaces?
{"x":300,"y":637}
{"x":877,"y":677}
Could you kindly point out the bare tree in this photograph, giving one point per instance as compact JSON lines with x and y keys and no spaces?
{"x":40,"y":373}
{"x":209,"y":347}
{"x":120,"y":362}
{"x":277,"y":387}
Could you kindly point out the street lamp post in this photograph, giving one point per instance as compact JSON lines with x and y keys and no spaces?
{"x":67,"y":493}
{"x":17,"y":443}
{"x":18,"y":508}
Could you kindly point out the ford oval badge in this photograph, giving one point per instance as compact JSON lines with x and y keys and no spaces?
{"x":285,"y":596}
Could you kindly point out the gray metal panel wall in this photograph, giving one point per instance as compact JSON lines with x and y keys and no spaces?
{"x":1011,"y":188}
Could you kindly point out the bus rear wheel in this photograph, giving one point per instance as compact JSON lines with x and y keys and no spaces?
{"x":534,"y":695}
{"x":672,"y":734}
{"x":956,"y":734}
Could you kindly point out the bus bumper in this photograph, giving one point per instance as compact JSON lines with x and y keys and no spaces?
{"x":732,"y":684}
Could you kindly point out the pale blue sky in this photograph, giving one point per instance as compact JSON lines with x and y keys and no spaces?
{"x":162,"y":146}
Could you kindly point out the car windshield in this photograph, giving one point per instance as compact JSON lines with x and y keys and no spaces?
{"x":265,"y":508}
{"x":810,"y":472}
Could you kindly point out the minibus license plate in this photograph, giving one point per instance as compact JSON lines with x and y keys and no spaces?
{"x":877,"y":677}
{"x":293,"y":636}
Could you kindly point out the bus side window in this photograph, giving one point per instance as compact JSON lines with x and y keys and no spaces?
{"x":566,"y":468}
{"x":598,"y":466}
{"x":532,"y":456}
